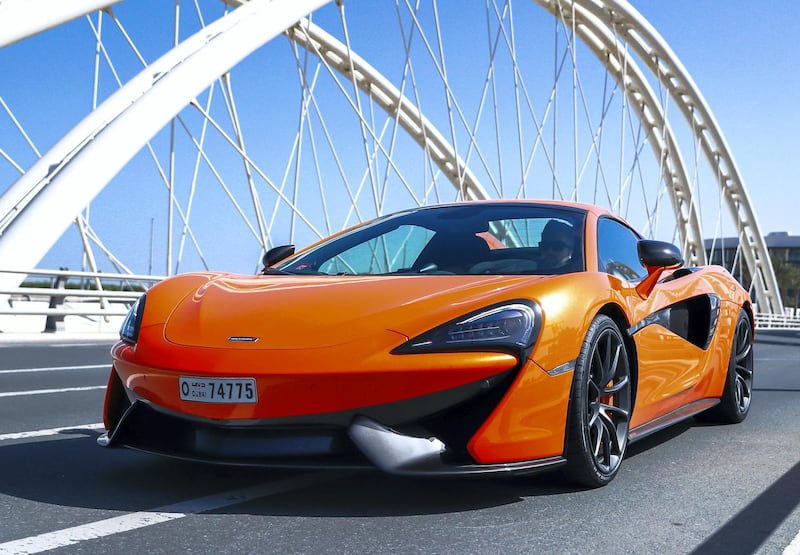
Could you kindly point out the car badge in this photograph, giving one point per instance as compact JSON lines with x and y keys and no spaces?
{"x":242,"y":339}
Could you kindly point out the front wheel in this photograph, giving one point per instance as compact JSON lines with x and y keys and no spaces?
{"x":600,"y":406}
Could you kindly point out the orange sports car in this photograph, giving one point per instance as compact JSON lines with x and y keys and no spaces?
{"x":470,"y":338}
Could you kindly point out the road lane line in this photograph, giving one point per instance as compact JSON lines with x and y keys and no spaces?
{"x":143,"y":519}
{"x":794,"y":547}
{"x":46,"y":391}
{"x":51,"y":431}
{"x":55,"y":369}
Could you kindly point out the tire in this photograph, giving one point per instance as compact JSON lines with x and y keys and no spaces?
{"x":599,"y":407}
{"x":736,"y":396}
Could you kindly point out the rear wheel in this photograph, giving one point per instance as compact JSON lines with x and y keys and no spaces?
{"x":600,"y":406}
{"x":735,"y":401}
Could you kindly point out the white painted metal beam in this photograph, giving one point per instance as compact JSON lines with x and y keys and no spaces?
{"x":60,"y":184}
{"x":654,"y":51}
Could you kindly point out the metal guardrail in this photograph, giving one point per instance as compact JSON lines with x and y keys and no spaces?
{"x":76,"y":302}
{"x":777,"y":322}
{"x":63,"y":301}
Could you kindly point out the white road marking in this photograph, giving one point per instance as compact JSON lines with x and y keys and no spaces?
{"x":46,"y":391}
{"x":794,"y":547}
{"x":55,"y":369}
{"x":142,"y":519}
{"x":50,"y":431}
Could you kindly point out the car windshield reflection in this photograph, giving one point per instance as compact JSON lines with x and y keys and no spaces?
{"x":462,"y":239}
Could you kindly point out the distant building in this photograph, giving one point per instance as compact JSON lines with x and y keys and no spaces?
{"x":780,"y":245}
{"x":784,"y":247}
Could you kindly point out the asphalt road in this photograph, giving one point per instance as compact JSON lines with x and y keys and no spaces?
{"x":695,"y":488}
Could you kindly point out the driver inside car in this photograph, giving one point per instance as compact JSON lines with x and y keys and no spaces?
{"x":557,"y":244}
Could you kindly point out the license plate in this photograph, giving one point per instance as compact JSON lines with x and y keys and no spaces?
{"x":218,"y":390}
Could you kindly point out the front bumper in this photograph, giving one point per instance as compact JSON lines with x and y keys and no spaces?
{"x":421,"y":436}
{"x":364,"y":444}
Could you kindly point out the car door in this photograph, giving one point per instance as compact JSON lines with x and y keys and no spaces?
{"x":671,"y":327}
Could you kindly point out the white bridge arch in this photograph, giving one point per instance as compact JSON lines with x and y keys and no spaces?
{"x":68,"y":176}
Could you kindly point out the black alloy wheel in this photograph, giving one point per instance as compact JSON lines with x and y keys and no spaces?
{"x":600,"y":406}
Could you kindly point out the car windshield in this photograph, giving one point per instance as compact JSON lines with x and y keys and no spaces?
{"x":462,"y":239}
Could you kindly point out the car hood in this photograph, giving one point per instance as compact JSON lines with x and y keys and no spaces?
{"x":302,"y":312}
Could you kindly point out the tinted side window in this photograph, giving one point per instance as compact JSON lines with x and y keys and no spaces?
{"x":617,"y":250}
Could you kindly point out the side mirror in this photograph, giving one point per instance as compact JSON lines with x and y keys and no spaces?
{"x":657,"y":256}
{"x":276,"y":254}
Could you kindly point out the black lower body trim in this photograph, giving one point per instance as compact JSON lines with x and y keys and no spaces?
{"x":681,"y":413}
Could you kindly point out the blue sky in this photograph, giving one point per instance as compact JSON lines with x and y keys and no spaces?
{"x":742,"y":55}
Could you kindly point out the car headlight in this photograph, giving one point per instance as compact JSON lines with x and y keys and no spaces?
{"x":133,"y":321}
{"x":511,"y":326}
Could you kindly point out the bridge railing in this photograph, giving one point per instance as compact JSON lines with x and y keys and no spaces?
{"x":777,"y":322}
{"x":68,"y":303}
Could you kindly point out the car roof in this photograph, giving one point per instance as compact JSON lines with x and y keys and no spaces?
{"x":594,"y":209}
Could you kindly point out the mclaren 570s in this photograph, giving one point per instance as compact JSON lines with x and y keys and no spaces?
{"x":487,"y":337}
